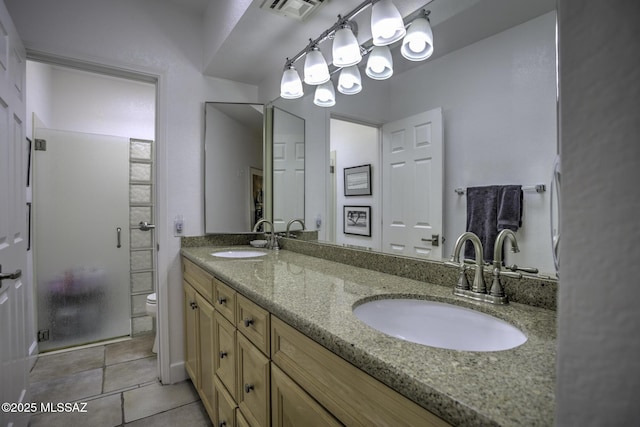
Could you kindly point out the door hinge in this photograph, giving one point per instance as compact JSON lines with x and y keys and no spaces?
{"x":332,"y":169}
{"x":40,"y":145}
{"x":43,"y":335}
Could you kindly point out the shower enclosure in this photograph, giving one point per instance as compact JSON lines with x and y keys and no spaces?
{"x":82,"y":231}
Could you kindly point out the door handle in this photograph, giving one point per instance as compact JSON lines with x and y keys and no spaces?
{"x":118,"y":237}
{"x":10,"y":276}
{"x":145,"y":226}
{"x":434,"y":240}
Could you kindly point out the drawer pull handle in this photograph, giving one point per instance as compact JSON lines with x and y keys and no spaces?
{"x":248,"y":388}
{"x":222,"y":301}
{"x":248,"y":322}
{"x":223,"y":354}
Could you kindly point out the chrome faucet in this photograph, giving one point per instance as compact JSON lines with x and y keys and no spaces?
{"x":272,"y":241}
{"x":292,"y":221}
{"x":479,"y":286}
{"x":497,"y":291}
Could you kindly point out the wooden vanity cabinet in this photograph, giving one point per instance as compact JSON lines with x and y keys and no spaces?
{"x":253,"y":370}
{"x":292,"y":406}
{"x":351,"y":395}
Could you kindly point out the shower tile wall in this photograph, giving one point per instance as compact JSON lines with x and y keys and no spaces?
{"x":141,"y":209}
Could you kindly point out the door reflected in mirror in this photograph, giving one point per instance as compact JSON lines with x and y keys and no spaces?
{"x":288,"y":168}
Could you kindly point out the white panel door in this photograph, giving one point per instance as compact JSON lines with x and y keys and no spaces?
{"x":288,"y":168}
{"x":13,"y":225}
{"x":412,"y":159}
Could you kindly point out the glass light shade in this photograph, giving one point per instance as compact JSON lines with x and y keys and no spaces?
{"x":291,"y":85}
{"x":380,"y":63}
{"x":418,"y":43}
{"x":350,"y":82}
{"x":316,"y":70}
{"x":346,"y":50}
{"x":325,"y":95}
{"x":387,"y":25}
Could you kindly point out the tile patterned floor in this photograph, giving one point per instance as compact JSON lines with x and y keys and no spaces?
{"x":119,"y":385}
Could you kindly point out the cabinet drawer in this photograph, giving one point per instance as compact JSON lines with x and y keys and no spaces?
{"x":224,"y":299}
{"x":226,"y":407}
{"x":253,"y":383}
{"x":198,"y":278}
{"x":253,"y":322}
{"x":225,"y":359}
{"x":291,"y":405}
{"x":351,"y":395}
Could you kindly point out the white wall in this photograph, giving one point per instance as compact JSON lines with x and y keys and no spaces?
{"x":598,"y":367}
{"x":165,"y":41}
{"x":356,"y":145}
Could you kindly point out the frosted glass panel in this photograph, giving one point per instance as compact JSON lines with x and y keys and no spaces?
{"x":140,"y":213}
{"x":141,"y":150}
{"x":140,"y":172}
{"x":140,"y":239}
{"x":140,"y":193}
{"x":141,"y":260}
{"x":142,"y":282}
{"x":138,"y":304}
{"x":83,"y":276}
{"x":140,"y":325}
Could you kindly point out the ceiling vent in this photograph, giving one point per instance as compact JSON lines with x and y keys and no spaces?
{"x":296,"y":9}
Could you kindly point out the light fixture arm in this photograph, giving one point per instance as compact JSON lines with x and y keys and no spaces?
{"x":326,"y":33}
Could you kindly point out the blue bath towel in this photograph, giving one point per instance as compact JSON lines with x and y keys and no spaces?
{"x":482,"y":219}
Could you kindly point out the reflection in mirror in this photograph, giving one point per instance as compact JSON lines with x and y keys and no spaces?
{"x":288,"y":168}
{"x":233,"y":152}
{"x":495,"y":83}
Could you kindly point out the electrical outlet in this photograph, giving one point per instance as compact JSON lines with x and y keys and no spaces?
{"x":178,"y":225}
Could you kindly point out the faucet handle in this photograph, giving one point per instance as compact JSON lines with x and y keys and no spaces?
{"x":531,"y":270}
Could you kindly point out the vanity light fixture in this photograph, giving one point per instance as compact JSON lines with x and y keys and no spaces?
{"x":325,"y":95}
{"x":345,"y":50}
{"x":417,"y":45}
{"x":380,"y":63}
{"x":387,"y":25}
{"x":316,"y":70}
{"x":349,"y":81}
{"x":291,"y":85}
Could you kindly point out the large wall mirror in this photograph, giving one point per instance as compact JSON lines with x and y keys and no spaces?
{"x":233,"y":152}
{"x":492,"y":85}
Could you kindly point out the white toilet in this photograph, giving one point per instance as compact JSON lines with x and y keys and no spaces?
{"x":152,"y":311}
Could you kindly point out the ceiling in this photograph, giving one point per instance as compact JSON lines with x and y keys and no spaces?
{"x":258,"y":45}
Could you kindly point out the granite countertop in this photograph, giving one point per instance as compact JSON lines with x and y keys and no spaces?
{"x":505,"y":388}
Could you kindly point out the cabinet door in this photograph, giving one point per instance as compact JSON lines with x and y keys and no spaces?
{"x":190,"y":331}
{"x":253,"y":322}
{"x":226,"y":407}
{"x":225,"y":357}
{"x":253,"y":383}
{"x":291,"y":406}
{"x":224,"y":299}
{"x":206,"y":352}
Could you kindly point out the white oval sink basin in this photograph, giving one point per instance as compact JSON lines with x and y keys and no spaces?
{"x":240,"y":253}
{"x":441,"y":325}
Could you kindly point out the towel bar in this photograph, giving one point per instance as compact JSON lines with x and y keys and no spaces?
{"x":538,"y":188}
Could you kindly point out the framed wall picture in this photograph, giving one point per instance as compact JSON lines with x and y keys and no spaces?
{"x":357,"y":220}
{"x":357,"y":181}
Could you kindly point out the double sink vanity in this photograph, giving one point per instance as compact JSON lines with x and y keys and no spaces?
{"x":275,"y":336}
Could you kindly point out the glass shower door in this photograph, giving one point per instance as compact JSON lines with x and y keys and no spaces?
{"x":81,"y":237}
